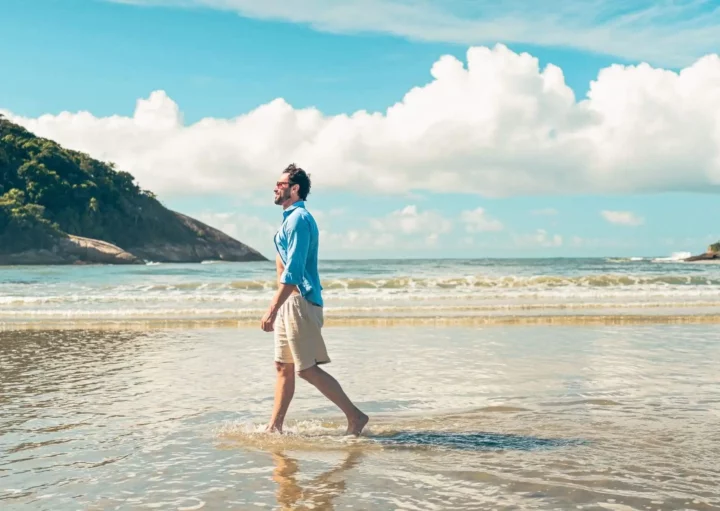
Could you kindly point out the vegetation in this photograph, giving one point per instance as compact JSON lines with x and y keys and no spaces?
{"x":715,"y":247}
{"x":47,"y":191}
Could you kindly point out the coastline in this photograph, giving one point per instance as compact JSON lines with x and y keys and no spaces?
{"x":370,"y":322}
{"x":381,"y":294}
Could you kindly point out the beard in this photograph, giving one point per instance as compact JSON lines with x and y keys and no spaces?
{"x":282,"y":196}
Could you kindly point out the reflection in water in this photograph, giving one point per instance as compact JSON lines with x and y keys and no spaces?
{"x":318,"y":493}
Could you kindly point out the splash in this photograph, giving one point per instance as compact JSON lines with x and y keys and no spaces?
{"x":298,"y":435}
{"x":408,"y":434}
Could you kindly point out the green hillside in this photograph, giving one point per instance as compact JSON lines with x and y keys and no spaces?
{"x":47,"y":191}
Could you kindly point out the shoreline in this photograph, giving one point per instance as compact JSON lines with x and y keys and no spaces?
{"x":372,"y":322}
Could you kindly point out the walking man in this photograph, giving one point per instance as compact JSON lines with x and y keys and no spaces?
{"x":296,"y":311}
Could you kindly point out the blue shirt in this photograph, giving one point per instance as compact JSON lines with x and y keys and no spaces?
{"x":297,"y":243}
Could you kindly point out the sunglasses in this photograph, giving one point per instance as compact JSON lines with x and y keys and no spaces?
{"x":281,"y":183}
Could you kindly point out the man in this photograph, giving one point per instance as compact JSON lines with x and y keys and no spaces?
{"x":296,"y":311}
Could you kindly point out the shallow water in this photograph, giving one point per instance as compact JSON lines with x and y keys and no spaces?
{"x":522,"y":417}
{"x":469,"y":291}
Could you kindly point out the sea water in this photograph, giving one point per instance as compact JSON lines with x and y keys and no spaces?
{"x":492,"y":289}
{"x":515,"y":384}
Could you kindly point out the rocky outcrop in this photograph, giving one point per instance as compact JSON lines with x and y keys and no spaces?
{"x":73,"y":250}
{"x":712,"y":253}
{"x":209,"y":244}
{"x":205,"y":244}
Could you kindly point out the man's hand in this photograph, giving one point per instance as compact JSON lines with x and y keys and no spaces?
{"x":267,"y":321}
{"x":285,"y":290}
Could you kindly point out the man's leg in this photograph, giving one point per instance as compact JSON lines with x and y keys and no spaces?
{"x":331,"y":389}
{"x":284,"y":390}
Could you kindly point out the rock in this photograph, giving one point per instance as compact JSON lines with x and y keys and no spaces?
{"x":96,"y":251}
{"x":702,"y":257}
{"x":73,"y":250}
{"x":209,"y":244}
{"x":203,"y":243}
{"x":713,"y":252}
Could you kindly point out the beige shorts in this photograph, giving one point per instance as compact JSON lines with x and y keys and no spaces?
{"x":298,"y":336}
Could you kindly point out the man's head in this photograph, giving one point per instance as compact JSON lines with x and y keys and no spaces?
{"x":293,"y":185}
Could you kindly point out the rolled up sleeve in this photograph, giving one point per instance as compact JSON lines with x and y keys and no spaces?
{"x":298,"y":237}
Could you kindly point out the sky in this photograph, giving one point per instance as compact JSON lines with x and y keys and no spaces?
{"x":430,"y":128}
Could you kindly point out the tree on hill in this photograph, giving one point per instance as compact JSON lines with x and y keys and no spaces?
{"x":48,"y":191}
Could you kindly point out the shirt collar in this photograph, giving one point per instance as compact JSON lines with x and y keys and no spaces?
{"x":293,"y":207}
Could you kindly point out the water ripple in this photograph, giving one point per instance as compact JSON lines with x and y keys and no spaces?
{"x":614,"y":417}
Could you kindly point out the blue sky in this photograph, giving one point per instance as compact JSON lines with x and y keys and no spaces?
{"x":645,"y":197}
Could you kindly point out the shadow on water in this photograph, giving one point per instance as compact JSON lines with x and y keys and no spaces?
{"x":473,"y":441}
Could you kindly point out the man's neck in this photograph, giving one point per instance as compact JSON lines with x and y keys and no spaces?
{"x":290,"y":203}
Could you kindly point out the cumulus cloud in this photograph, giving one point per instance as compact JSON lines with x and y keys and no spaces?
{"x":403,"y":229}
{"x":666,"y":33}
{"x":250,"y":229}
{"x":622,"y":218}
{"x":540,"y":238}
{"x":477,"y":220}
{"x":409,"y":222}
{"x":358,"y":241}
{"x":499,"y":122}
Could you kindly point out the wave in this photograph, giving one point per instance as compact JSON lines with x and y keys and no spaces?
{"x":675,"y":257}
{"x":386,"y":311}
{"x":440,"y":283}
{"x":624,"y":259}
{"x":373,"y":321}
{"x":472,"y":290}
{"x":510,"y":282}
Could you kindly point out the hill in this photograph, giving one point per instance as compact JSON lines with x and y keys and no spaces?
{"x":712,"y":253}
{"x":59,"y":206}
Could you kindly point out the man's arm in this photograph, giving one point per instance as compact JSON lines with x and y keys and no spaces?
{"x":283,"y":291}
{"x":290,"y":275}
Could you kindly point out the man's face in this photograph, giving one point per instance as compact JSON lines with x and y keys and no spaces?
{"x":283,"y":189}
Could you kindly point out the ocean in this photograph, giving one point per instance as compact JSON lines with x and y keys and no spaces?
{"x":366,"y":292}
{"x":490,"y":384}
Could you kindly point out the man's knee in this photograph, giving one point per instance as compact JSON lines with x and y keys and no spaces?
{"x":308,"y":374}
{"x":284,"y":369}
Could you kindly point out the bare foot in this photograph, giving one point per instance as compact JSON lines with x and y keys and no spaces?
{"x":273,"y":429}
{"x":356,"y":425}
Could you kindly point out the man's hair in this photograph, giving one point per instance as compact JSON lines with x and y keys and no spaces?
{"x":298,"y":176}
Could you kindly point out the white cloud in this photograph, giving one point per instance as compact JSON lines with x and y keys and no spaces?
{"x":249,"y":229}
{"x":622,"y":218}
{"x":477,"y":220}
{"x":667,"y":33}
{"x":358,"y":241}
{"x":400,"y":230}
{"x":540,"y":238}
{"x":501,"y":123}
{"x":408,"y":221}
{"x":323,"y":215}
